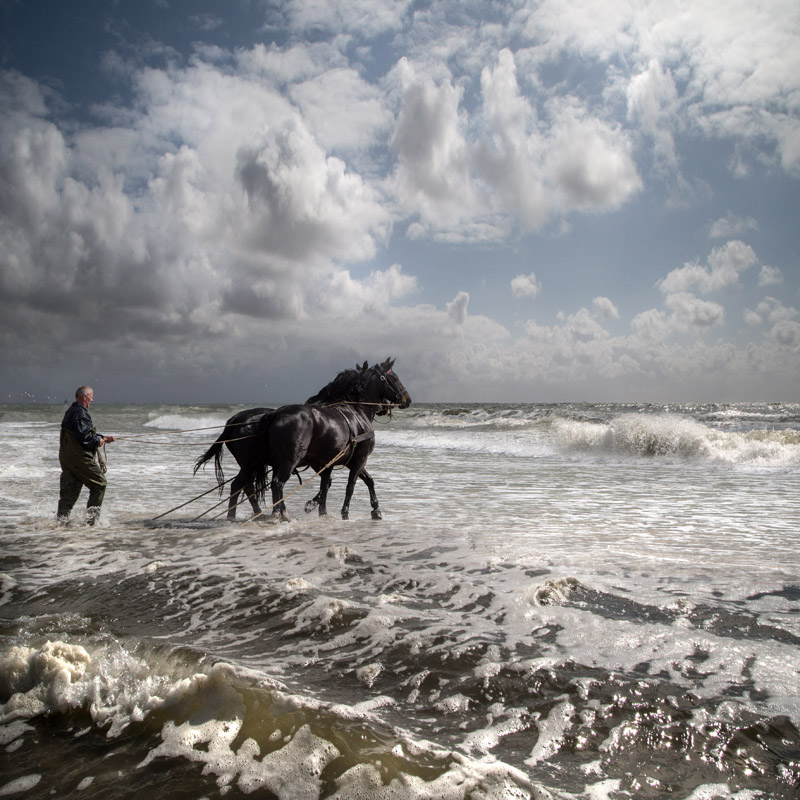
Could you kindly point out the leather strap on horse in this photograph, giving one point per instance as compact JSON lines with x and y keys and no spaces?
{"x":355,"y":438}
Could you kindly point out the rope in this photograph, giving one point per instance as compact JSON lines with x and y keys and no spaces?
{"x":183,"y":444}
{"x":216,"y":505}
{"x":187,"y":430}
{"x":242,"y":497}
{"x":212,"y":489}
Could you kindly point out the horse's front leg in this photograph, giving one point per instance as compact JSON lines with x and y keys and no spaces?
{"x":348,"y":492}
{"x":373,"y":497}
{"x":320,"y":499}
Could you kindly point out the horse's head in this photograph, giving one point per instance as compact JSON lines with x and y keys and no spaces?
{"x":386,"y":387}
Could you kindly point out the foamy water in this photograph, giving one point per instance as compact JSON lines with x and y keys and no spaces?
{"x":583,"y":601}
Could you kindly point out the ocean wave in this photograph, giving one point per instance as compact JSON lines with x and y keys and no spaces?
{"x":244,"y":728}
{"x":524,"y":444}
{"x":675,"y":436}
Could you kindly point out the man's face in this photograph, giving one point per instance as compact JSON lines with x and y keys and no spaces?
{"x":87,"y":399}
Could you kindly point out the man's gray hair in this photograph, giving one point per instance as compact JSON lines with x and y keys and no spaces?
{"x":81,"y":391}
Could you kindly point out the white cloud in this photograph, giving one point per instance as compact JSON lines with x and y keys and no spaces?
{"x":653,"y":103}
{"x":432,"y":173}
{"x":457,"y":308}
{"x":725,"y":265}
{"x":787,"y":334}
{"x":369,"y":296}
{"x":731,"y":225}
{"x":525,"y":286}
{"x":769,"y":276}
{"x":303,"y":205}
{"x":738,"y":69}
{"x":342,"y":110}
{"x":775,"y":311}
{"x":689,"y":311}
{"x":544,"y":167}
{"x":752,"y":318}
{"x":605,"y":308}
{"x":365,"y":17}
{"x":651,"y":324}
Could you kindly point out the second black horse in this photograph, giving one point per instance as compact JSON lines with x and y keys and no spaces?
{"x":332,"y":428}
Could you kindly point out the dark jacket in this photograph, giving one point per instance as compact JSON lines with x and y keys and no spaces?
{"x":78,"y":422}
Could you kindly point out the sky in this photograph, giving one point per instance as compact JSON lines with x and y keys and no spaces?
{"x":520,"y":201}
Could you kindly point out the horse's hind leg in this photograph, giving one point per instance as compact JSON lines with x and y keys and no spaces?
{"x":373,"y":497}
{"x":279,"y":477}
{"x":233,"y":500}
{"x":250,"y":491}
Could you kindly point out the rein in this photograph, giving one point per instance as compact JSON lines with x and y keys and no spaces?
{"x":183,"y":444}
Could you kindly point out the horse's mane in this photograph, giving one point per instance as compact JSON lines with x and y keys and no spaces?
{"x":347,"y":385}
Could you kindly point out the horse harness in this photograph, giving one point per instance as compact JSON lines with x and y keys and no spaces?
{"x":355,"y":438}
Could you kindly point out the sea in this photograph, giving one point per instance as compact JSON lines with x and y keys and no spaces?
{"x":566,"y":601}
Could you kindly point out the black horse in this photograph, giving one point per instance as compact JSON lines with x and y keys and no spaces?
{"x":334,"y":427}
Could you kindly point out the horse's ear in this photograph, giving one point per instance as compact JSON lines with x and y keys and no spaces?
{"x":389,"y":363}
{"x":365,"y":366}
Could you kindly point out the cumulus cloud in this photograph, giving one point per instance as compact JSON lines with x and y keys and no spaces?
{"x":457,"y":308}
{"x":769,"y":276}
{"x":343,"y":111}
{"x":731,"y":225}
{"x":738,"y":71}
{"x":787,"y":334}
{"x":689,"y":311}
{"x":541,"y":168}
{"x":242,"y":207}
{"x":432,"y":173}
{"x":775,"y":311}
{"x":365,"y":17}
{"x":725,"y":265}
{"x":605,"y":308}
{"x":653,"y":103}
{"x":651,"y":324}
{"x":302,"y":204}
{"x":525,"y":286}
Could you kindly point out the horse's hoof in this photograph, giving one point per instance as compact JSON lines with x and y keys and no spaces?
{"x":274,"y":518}
{"x":376,"y":513}
{"x":310,"y":506}
{"x":285,"y":517}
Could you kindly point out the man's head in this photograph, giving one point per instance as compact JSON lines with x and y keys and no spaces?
{"x":84,"y":395}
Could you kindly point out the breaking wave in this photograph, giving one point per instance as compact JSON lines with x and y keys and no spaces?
{"x":243,"y":728}
{"x":680,"y":437}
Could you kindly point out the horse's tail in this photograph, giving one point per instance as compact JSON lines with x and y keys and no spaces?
{"x":215,"y":452}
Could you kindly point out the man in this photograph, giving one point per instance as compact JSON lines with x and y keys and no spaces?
{"x":78,"y":456}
